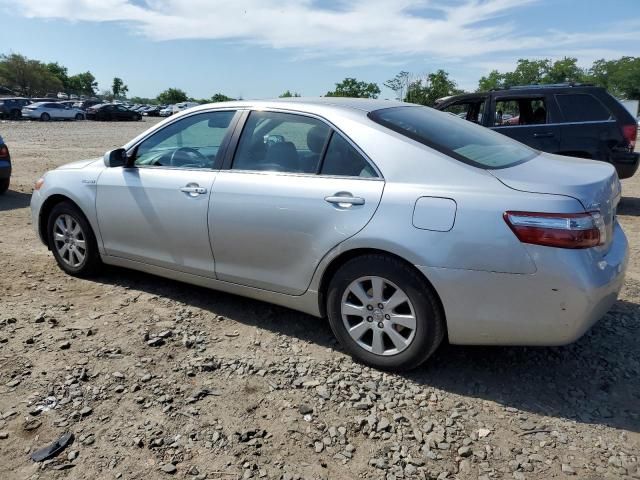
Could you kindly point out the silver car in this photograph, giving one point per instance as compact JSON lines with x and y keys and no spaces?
{"x":46,"y":111}
{"x":399,"y":223}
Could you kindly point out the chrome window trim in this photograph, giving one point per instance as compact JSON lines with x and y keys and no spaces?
{"x":555,"y":124}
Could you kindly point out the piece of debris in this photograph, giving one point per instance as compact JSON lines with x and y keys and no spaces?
{"x":54,"y":449}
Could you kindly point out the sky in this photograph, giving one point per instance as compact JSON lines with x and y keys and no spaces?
{"x":260,"y":48}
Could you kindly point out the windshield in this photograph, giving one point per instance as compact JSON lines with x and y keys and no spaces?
{"x":462,"y":140}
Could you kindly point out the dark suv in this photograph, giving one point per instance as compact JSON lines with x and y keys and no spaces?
{"x":12,"y":107}
{"x":574,"y":120}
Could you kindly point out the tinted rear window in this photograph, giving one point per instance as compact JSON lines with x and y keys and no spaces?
{"x":462,"y":140}
{"x":582,"y":107}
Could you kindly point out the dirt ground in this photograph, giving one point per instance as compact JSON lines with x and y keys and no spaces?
{"x":157,"y":378}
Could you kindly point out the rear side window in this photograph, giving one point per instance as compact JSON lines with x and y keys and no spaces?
{"x":520,"y":111}
{"x":582,"y":107}
{"x":457,"y":138}
{"x":344,"y":160}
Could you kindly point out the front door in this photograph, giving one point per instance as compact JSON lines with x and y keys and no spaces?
{"x":294,"y":191}
{"x":527,"y":119}
{"x":155,"y":210}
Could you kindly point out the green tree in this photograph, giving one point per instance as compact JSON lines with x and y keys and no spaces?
{"x":118,"y":88}
{"x":61,"y":73}
{"x":399,"y":84}
{"x":83,"y":84}
{"x":620,"y":77}
{"x":350,"y":87}
{"x":436,"y":85}
{"x":288,"y":94}
{"x":493,"y":81}
{"x":565,"y":70}
{"x":527,"y":72}
{"x":172,"y":95}
{"x":27,"y":77}
{"x":219,"y":97}
{"x":145,"y":100}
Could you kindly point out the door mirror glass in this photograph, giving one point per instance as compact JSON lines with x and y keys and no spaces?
{"x":115,"y":158}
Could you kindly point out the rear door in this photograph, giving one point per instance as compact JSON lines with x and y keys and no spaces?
{"x":527,"y":119}
{"x":588,"y":127}
{"x":294,"y":189}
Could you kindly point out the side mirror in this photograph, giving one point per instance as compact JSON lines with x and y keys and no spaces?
{"x":116,"y":158}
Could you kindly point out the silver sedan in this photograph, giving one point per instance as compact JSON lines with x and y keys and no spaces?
{"x":399,"y":223}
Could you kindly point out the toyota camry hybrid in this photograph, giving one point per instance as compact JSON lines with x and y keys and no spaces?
{"x":399,"y":223}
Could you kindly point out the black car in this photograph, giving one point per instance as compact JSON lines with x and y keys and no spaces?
{"x":12,"y":107}
{"x":567,"y":119}
{"x":111,"y":111}
{"x":5,"y":167}
{"x":153,"y":111}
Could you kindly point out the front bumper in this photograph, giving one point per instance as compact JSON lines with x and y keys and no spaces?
{"x":36,"y":204}
{"x":626,"y":163}
{"x":568,"y":294}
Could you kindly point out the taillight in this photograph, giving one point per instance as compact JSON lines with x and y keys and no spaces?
{"x":4,"y":151}
{"x":561,"y":230}
{"x":630,"y":132}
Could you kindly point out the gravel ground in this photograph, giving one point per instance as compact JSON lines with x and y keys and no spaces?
{"x":157,"y":378}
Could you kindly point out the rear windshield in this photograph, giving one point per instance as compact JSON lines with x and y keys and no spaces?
{"x":453,"y":136}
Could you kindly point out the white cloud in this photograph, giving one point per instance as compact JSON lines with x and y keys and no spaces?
{"x":359,"y":32}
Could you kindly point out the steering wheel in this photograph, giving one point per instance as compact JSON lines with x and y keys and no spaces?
{"x":204,"y":160}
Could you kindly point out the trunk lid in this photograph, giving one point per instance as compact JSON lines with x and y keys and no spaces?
{"x":593,"y":183}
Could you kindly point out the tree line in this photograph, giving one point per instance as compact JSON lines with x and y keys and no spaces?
{"x":620,"y":77}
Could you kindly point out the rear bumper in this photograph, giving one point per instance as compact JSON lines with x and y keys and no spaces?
{"x":568,"y":294}
{"x":626,"y":163}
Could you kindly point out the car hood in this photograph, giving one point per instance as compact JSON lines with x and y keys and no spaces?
{"x":79,"y":164}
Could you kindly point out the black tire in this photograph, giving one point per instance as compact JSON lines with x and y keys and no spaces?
{"x":45,"y":117}
{"x":91,"y":263}
{"x":4,"y":185}
{"x":430,"y":324}
{"x":79,"y":116}
{"x":16,"y":114}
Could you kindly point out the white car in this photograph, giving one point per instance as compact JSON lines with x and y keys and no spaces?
{"x":46,"y":111}
{"x":180,"y":107}
{"x":167,"y":111}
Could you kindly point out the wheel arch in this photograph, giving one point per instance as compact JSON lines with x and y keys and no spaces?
{"x":45,"y":211}
{"x":344,"y":257}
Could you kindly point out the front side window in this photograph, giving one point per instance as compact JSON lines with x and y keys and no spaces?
{"x":520,"y":111}
{"x":464,"y":141}
{"x":281,"y":142}
{"x":582,"y":107}
{"x":191,"y":142}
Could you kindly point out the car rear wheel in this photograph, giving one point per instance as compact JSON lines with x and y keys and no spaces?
{"x":384,"y":313}
{"x":45,"y":117}
{"x":79,"y":116}
{"x":4,"y":185}
{"x":16,"y":114}
{"x":72,"y":240}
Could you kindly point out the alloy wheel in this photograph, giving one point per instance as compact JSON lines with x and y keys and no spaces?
{"x":378,"y":315}
{"x":69,"y":240}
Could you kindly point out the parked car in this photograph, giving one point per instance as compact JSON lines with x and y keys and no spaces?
{"x":179,"y":107}
{"x":110,"y":111}
{"x":5,"y":167}
{"x":12,"y":107}
{"x":153,"y":111}
{"x":69,"y":103}
{"x":567,"y":119}
{"x":457,"y":244}
{"x":46,"y":111}
{"x":166,"y":111}
{"x":85,"y":104}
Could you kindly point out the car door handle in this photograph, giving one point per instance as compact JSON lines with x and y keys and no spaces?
{"x":543,"y":135}
{"x":344,"y":200}
{"x":193,"y":190}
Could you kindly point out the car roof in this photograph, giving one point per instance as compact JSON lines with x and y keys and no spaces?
{"x":311,"y":104}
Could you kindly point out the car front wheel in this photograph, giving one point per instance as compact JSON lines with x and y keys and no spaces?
{"x":45,"y":117}
{"x":72,"y":240}
{"x":384,"y":313}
